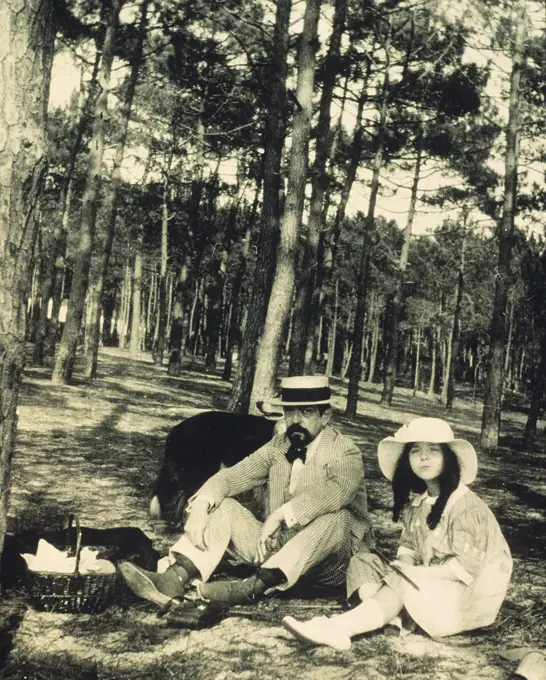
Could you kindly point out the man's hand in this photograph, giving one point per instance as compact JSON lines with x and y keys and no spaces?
{"x":269,"y":538}
{"x":197,"y":522}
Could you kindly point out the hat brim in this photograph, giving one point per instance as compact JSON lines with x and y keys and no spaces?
{"x":390,"y":450}
{"x":279,"y":402}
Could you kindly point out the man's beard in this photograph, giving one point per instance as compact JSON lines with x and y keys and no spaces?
{"x":299,"y":436}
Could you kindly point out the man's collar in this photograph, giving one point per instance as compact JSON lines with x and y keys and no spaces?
{"x":313,"y":446}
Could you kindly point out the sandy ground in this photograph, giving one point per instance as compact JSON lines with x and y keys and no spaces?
{"x":95,"y":450}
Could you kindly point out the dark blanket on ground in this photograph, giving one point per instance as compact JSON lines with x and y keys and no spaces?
{"x":116,"y":544}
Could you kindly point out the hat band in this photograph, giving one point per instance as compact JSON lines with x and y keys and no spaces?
{"x":309,"y":394}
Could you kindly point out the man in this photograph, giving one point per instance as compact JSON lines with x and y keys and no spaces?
{"x":316,"y":511}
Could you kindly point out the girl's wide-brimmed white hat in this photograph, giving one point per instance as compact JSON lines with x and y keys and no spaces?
{"x":434,"y":431}
{"x":304,"y":390}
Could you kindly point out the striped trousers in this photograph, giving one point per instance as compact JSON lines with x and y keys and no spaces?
{"x":321,"y":550}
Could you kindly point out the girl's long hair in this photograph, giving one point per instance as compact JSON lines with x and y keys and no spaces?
{"x":405,"y":481}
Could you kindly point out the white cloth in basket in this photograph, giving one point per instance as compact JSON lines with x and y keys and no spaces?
{"x":50,"y":559}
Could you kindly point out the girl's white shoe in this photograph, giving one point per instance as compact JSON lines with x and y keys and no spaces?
{"x":319,"y":630}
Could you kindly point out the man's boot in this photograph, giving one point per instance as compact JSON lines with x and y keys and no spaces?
{"x":157,"y":588}
{"x":242,"y":591}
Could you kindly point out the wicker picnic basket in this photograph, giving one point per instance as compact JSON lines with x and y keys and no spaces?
{"x":89,"y":593}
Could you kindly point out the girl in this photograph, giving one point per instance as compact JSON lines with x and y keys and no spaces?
{"x":452,"y":552}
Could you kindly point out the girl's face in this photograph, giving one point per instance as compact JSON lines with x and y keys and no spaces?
{"x":426,"y":460}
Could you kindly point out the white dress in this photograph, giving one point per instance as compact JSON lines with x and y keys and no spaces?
{"x":469,"y":539}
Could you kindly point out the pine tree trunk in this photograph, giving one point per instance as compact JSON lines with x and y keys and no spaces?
{"x":214,"y":318}
{"x":46,"y":336}
{"x":34,"y":287}
{"x":236,"y":302}
{"x":456,"y":324}
{"x":417,"y":361}
{"x":307,"y":308}
{"x":134,"y":345}
{"x":537,"y":400}
{"x":108,"y":306}
{"x":92,"y":331}
{"x":447,"y":355}
{"x":521,"y":365}
{"x":391,"y":357}
{"x":355,"y":156}
{"x":193,"y":314}
{"x":161,"y":325}
{"x":92,"y":319}
{"x":177,"y":321}
{"x":492,"y":403}
{"x":433,"y":361}
{"x":53,"y":332}
{"x":26,"y":52}
{"x":66,"y":354}
{"x":269,"y":228}
{"x":125,"y":307}
{"x":373,"y":353}
{"x":355,"y":368}
{"x":508,"y":352}
{"x":283,"y":285}
{"x":332,"y":336}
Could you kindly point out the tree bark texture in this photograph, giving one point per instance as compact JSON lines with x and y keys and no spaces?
{"x":492,"y":403}
{"x":274,"y":135}
{"x":307,"y":308}
{"x":26,"y":52}
{"x":66,"y":354}
{"x":283,"y":285}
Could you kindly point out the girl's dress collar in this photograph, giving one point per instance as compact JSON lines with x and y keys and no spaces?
{"x":459,"y":492}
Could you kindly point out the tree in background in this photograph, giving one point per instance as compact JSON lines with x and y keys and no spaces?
{"x":274,"y":136}
{"x":106,"y":236}
{"x":195,"y":244}
{"x":495,"y":374}
{"x":269,"y":351}
{"x":66,"y":353}
{"x":26,"y":53}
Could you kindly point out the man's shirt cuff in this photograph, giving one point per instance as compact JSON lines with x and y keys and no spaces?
{"x":289,"y":517}
{"x":204,"y":497}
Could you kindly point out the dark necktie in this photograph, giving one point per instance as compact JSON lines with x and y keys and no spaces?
{"x":294,"y":453}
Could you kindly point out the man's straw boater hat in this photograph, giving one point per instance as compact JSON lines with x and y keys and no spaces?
{"x":304,"y":390}
{"x":434,"y":431}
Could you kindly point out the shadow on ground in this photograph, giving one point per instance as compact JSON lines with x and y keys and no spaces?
{"x":96,"y":450}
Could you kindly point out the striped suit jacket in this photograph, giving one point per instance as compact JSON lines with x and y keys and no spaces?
{"x":332,"y":480}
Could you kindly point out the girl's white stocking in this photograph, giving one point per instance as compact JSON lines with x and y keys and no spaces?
{"x":371,"y":614}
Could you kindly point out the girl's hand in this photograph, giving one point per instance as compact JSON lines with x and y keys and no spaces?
{"x":406,"y":559}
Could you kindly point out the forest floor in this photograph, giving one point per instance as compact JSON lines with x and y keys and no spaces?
{"x":95,"y":450}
